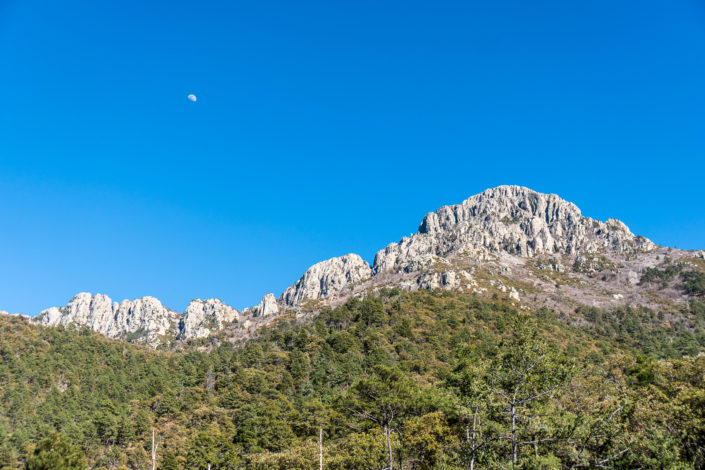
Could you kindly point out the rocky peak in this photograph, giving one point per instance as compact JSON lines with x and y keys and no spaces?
{"x":205,"y":316}
{"x":95,"y":311}
{"x":143,"y":320}
{"x":267,"y":306}
{"x":327,"y":278}
{"x":510,"y":219}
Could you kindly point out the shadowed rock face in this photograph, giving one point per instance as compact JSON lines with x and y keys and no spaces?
{"x":499,"y":230}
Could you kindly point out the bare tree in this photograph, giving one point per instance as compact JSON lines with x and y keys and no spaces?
{"x":320,"y":448}
{"x":155,"y":445}
{"x":210,"y":379}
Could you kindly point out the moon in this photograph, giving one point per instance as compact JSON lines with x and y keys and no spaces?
{"x":192,"y":97}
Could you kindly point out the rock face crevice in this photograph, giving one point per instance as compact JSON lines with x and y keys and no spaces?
{"x":504,"y":227}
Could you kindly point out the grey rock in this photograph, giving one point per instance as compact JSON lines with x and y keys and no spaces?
{"x":326,"y":279}
{"x":202,"y":317}
{"x":510,"y":219}
{"x":144,"y":319}
{"x":268,"y":306}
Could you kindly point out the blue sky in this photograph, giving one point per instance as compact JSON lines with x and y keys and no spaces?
{"x":323,"y":128}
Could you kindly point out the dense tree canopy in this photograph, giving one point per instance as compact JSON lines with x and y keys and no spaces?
{"x":415,"y":381}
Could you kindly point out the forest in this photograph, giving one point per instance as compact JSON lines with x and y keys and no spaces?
{"x":422,"y":380}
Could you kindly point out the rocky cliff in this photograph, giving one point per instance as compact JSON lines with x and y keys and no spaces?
{"x":268,"y":306}
{"x":509,"y":219}
{"x":141,"y":320}
{"x":326,"y":279}
{"x":528,"y":247}
{"x":202,"y":317}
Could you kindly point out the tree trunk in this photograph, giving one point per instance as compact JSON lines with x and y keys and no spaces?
{"x":154,"y":453}
{"x":514,"y":436}
{"x":471,"y":444}
{"x":536,"y":445}
{"x":474,"y":426}
{"x":210,"y":379}
{"x":389,"y":447}
{"x":320,"y":448}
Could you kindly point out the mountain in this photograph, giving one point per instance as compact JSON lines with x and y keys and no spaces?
{"x":508,"y":332}
{"x":534,"y":249}
{"x":423,"y":379}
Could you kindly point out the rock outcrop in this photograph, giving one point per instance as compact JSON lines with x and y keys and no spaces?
{"x":202,"y":317}
{"x":143,"y":320}
{"x":510,"y":219}
{"x":327,"y":278}
{"x":267,"y":306}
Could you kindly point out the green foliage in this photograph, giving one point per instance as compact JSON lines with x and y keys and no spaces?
{"x":56,"y":452}
{"x":424,"y":380}
{"x":694,"y":283}
{"x":663,"y":275}
{"x":643,"y":330}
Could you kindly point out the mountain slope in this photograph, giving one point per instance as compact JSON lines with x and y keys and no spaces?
{"x":532,"y":248}
{"x":433,"y":357}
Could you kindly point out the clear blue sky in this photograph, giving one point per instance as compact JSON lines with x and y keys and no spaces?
{"x":323,"y":128}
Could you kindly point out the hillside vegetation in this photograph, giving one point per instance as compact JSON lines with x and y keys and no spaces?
{"x":423,"y":380}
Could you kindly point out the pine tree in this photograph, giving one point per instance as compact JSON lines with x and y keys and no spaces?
{"x":56,"y":452}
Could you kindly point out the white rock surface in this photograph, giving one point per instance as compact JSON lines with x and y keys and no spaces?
{"x":510,"y":219}
{"x":202,"y":317}
{"x":446,"y":280}
{"x":267,"y":306}
{"x":145,"y":319}
{"x":514,"y":294}
{"x":327,"y":278}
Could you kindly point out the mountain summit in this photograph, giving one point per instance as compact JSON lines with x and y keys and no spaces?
{"x":531,"y":248}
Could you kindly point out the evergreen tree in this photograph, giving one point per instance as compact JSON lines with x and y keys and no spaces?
{"x":382,"y":399}
{"x":56,"y":452}
{"x":524,"y":375}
